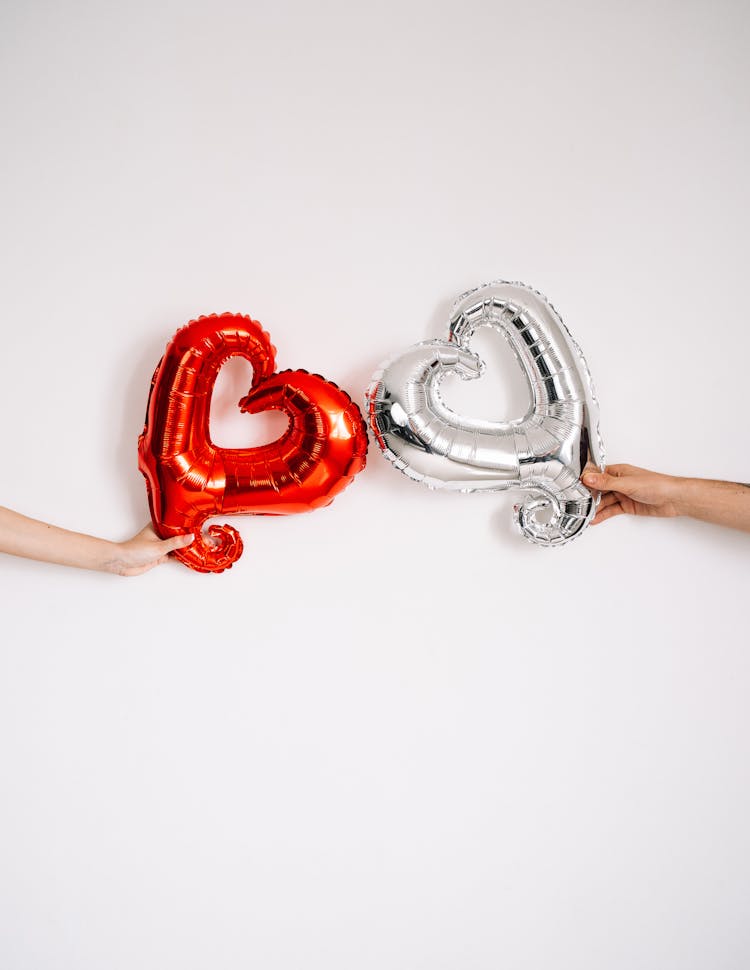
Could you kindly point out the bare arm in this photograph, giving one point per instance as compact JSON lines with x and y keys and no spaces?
{"x":21,"y":536}
{"x":636,"y":491}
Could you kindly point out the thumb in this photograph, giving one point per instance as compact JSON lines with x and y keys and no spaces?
{"x":604,"y":482}
{"x":177,"y":542}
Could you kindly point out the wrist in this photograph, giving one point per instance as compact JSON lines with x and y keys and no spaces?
{"x":697,"y":496}
{"x":108,"y":556}
{"x":682,"y":494}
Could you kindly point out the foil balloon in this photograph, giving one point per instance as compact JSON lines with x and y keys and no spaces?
{"x":544,"y":452}
{"x":189,"y":479}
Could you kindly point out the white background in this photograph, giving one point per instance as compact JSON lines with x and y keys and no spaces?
{"x":394,"y":735}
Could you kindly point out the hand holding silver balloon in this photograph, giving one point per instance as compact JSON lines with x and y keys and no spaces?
{"x":544,"y":452}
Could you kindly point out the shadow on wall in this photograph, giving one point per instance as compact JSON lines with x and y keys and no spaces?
{"x":134,"y":398}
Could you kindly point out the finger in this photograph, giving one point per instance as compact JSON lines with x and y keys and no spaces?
{"x":605,"y":482}
{"x":603,"y":514}
{"x":177,"y":542}
{"x":608,"y":498}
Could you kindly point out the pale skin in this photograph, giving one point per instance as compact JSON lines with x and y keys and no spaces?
{"x":32,"y":539}
{"x":628,"y":490}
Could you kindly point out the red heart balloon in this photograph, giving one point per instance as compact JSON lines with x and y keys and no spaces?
{"x":189,"y":479}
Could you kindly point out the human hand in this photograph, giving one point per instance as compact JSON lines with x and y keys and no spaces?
{"x":143,"y":552}
{"x":635,"y":491}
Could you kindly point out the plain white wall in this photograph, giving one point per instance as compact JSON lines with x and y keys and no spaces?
{"x":394,"y":735}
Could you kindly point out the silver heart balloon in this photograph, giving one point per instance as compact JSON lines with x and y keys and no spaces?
{"x":543,"y":452}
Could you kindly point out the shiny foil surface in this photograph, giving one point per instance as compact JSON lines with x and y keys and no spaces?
{"x":189,"y":479}
{"x":544,"y":452}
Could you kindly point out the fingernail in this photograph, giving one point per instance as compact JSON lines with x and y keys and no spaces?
{"x":590,"y":479}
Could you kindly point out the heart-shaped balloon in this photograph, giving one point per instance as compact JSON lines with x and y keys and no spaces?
{"x":544,"y":452}
{"x":189,"y":479}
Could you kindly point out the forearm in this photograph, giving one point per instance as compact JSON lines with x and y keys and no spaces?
{"x":22,"y":536}
{"x":723,"y":503}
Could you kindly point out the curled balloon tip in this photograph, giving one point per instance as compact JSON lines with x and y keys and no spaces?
{"x":552,"y":520}
{"x":212,"y":551}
